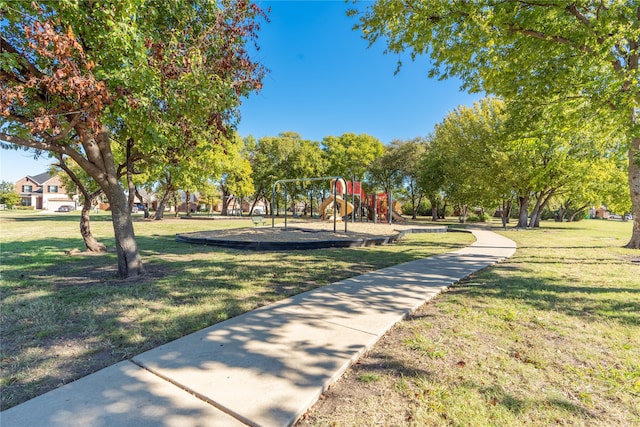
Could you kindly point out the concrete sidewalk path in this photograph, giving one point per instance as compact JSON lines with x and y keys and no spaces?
{"x":263,"y":368}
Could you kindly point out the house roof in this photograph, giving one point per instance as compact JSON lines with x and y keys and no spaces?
{"x":41,"y":178}
{"x":147,"y":196}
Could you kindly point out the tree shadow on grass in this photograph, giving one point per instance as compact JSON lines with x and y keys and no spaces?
{"x":422,"y":377}
{"x":497,"y":396}
{"x":621,"y":304}
{"x":67,"y":315}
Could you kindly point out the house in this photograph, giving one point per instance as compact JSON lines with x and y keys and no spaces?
{"x":149,"y":199}
{"x":44,"y":191}
{"x":602,"y":212}
{"x":194,"y":201}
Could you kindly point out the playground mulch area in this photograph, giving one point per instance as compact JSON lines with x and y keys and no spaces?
{"x":306,"y":235}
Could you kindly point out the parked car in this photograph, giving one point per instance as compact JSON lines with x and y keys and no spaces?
{"x":258,"y":211}
{"x":138,"y":207}
{"x":65,"y":208}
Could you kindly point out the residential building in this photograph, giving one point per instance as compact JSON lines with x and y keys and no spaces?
{"x":43,"y":191}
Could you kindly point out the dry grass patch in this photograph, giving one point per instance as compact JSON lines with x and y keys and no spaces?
{"x":548,"y":337}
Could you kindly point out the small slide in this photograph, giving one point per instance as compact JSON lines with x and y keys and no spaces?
{"x":397,"y":217}
{"x":344,"y":208}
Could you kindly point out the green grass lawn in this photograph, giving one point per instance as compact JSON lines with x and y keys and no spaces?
{"x":550,"y":336}
{"x":65,"y":314}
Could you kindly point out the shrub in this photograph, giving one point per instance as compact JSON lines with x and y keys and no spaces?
{"x":479,"y":217}
{"x":424,"y":208}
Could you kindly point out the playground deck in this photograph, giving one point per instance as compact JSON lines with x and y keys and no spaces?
{"x":301,"y":236}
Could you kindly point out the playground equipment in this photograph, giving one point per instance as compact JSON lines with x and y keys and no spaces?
{"x":335,"y":180}
{"x":376,"y":205}
{"x":381,"y":211}
{"x":397,"y":216}
{"x":344,"y":208}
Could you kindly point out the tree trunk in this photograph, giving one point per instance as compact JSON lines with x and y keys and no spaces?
{"x":129,"y":261}
{"x":634,"y":185}
{"x":85,"y":220}
{"x":503,"y":213}
{"x":225,"y":201}
{"x":544,"y":204}
{"x":443,"y":212}
{"x":241,"y":198}
{"x":175,"y":203}
{"x":187,"y":203}
{"x":85,"y":229}
{"x":434,"y":209}
{"x":573,"y":216}
{"x":524,"y":211}
{"x":562,"y":211}
{"x":257,"y":195}
{"x":131,"y":192}
{"x":508,"y":209}
{"x":416,"y":206}
{"x":99,"y":150}
{"x":462,"y":217}
{"x":163,"y":202}
{"x":541,"y":202}
{"x":130,"y":186}
{"x":536,"y":209}
{"x":144,"y":205}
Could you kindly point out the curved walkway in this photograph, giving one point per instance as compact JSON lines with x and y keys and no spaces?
{"x":265,"y":367}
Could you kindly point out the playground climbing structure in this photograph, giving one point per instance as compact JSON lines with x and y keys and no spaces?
{"x":343,"y":208}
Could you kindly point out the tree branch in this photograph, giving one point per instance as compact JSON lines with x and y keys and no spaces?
{"x":542,"y":36}
{"x":32,"y":143}
{"x":4,"y":76}
{"x":18,"y":118}
{"x":63,"y":165}
{"x":5,"y":46}
{"x":92,"y":169}
{"x":540,"y":4}
{"x":573,"y":9}
{"x":65,"y":132}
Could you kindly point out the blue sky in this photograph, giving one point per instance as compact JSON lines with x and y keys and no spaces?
{"x":324,"y":80}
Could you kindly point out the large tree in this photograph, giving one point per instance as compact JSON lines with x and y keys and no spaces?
{"x":351,"y":155}
{"x":411,"y":152}
{"x":72,"y":73}
{"x":539,"y":52}
{"x":484,"y":158}
{"x":468,"y":147}
{"x":432,"y":176}
{"x":386,"y":172}
{"x":236,"y":171}
{"x":8,"y":195}
{"x":286,"y":156}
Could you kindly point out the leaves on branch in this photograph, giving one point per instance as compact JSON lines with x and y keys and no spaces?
{"x":69,"y":86}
